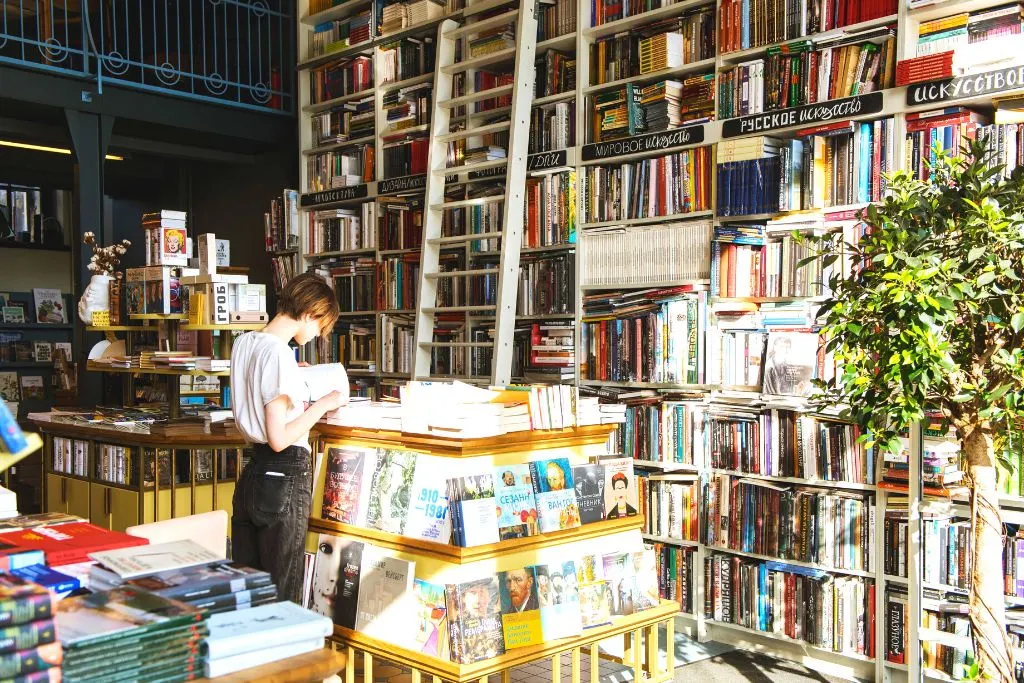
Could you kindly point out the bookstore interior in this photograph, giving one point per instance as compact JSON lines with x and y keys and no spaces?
{"x":589,"y":256}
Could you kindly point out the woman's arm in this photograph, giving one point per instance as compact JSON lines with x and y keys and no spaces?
{"x":281,"y":434}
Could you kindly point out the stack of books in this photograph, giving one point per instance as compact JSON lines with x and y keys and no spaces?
{"x":68,"y":543}
{"x":492,"y":41}
{"x":129,"y":632}
{"x":261,"y":635}
{"x":619,"y":113}
{"x":941,"y":467}
{"x":28,"y":643}
{"x":663,"y":51}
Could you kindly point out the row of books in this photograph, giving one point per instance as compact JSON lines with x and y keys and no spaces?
{"x":349,"y":121}
{"x":647,"y":336}
{"x":481,"y":618}
{"x":552,"y":127}
{"x":340,"y":78}
{"x":556,"y":73}
{"x":352,"y":343}
{"x":281,"y":223}
{"x":783,"y":443}
{"x":669,"y":504}
{"x":340,"y":168}
{"x":415,"y":495}
{"x":948,"y":130}
{"x":780,"y":363}
{"x":638,"y":255}
{"x":675,"y":575}
{"x":283,"y":269}
{"x":555,"y":18}
{"x":942,"y":466}
{"x":660,"y":430}
{"x":746,"y":24}
{"x":945,"y":549}
{"x":332,"y":36}
{"x":940,"y":613}
{"x":400,"y":221}
{"x":70,"y":456}
{"x":660,"y":186}
{"x":354,"y":282}
{"x":405,"y":155}
{"x":764,"y":260}
{"x":550,"y":210}
{"x":829,"y":529}
{"x":332,"y":230}
{"x":836,"y":613}
{"x":407,"y":107}
{"x":666,"y":44}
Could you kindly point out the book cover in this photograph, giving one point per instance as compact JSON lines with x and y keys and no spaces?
{"x":136,"y":561}
{"x":474,"y":620}
{"x":618,"y":569}
{"x":24,"y":636}
{"x":49,"y":306}
{"x":22,"y":601}
{"x":517,"y":508}
{"x":121,"y":612}
{"x":194,"y":583}
{"x":645,"y":571}
{"x":588,"y":480}
{"x":239,"y":600}
{"x":347,"y":484}
{"x":172,"y":246}
{"x":520,"y":607}
{"x":251,"y":630}
{"x":431,"y":633}
{"x":474,"y":510}
{"x":30,"y":660}
{"x":560,"y":614}
{"x":58,"y":583}
{"x":336,"y":575}
{"x":385,"y":585}
{"x":595,"y":604}
{"x":215,"y":668}
{"x":32,"y":388}
{"x":429,"y":517}
{"x":388,"y":506}
{"x":620,"y":495}
{"x":69,"y":543}
{"x":790,"y":363}
{"x":556,"y":499}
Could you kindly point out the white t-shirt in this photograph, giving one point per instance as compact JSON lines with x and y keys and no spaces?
{"x":263,"y":368}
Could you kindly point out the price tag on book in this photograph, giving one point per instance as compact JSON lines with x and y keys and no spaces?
{"x":101,"y":318}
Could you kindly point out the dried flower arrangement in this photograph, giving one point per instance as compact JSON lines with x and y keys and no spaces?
{"x":104,"y":260}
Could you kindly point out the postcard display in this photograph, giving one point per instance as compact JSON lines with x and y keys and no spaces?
{"x":400,"y":588}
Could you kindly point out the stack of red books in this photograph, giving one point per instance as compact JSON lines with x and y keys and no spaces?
{"x":927,"y":68}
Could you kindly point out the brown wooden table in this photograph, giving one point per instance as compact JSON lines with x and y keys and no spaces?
{"x":307,"y":668}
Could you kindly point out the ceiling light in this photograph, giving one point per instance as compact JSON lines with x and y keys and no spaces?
{"x":44,"y":148}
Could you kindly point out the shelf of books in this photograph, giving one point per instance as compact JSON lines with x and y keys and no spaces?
{"x":358,"y":218}
{"x":511,"y":548}
{"x":671,"y":164}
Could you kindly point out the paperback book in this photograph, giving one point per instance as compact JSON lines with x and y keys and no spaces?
{"x":431,"y":633}
{"x":346,"y":485}
{"x":517,"y":509}
{"x":620,"y":497}
{"x":473,"y":510}
{"x":429,"y":517}
{"x":520,"y":607}
{"x":559,"y":600}
{"x":388,"y":505}
{"x":588,"y":480}
{"x":336,"y":578}
{"x":384,"y":584}
{"x":474,"y":620}
{"x":556,"y":499}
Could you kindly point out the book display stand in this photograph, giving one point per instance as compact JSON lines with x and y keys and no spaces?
{"x":441,"y":563}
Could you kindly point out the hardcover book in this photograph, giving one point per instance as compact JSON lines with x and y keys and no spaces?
{"x":87,"y":619}
{"x":251,"y":630}
{"x":59,"y":584}
{"x":69,"y":543}
{"x":194,"y":583}
{"x":215,"y":604}
{"x":388,"y":506}
{"x":645,"y":569}
{"x":346,"y":486}
{"x":588,"y":480}
{"x":618,"y":568}
{"x":595,"y":604}
{"x":49,"y":305}
{"x":556,"y":499}
{"x":30,"y":660}
{"x":385,"y":584}
{"x":429,"y":516}
{"x":474,"y":620}
{"x":431,"y":633}
{"x":22,"y":601}
{"x":620,"y":498}
{"x":517,"y":508}
{"x":136,"y":561}
{"x":336,"y":575}
{"x":24,"y":636}
{"x":559,"y":600}
{"x":473,"y":509}
{"x":520,"y":607}
{"x":790,"y":363}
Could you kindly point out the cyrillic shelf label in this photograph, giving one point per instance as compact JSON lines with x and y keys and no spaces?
{"x":959,"y":87}
{"x":545,"y":160}
{"x":402,"y":184}
{"x":648,"y":142}
{"x":340,"y":194}
{"x":819,"y":112}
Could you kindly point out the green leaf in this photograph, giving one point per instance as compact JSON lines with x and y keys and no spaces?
{"x":1017,"y":321}
{"x":975,"y":254}
{"x":986,"y":278}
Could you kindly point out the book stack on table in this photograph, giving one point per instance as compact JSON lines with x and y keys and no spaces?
{"x":28,"y":644}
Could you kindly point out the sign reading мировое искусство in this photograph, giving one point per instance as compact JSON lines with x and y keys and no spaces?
{"x":687,"y":135}
{"x":971,"y":85}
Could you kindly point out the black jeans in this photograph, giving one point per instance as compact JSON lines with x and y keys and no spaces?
{"x":271,"y":512}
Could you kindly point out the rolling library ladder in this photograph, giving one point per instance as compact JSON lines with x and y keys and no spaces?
{"x":438,"y":172}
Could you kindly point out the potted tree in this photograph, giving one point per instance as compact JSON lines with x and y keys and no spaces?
{"x":930,"y":318}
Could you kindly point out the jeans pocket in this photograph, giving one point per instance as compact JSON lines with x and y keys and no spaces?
{"x":274,"y":492}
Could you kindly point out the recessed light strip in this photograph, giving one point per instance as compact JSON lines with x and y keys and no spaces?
{"x":44,"y":148}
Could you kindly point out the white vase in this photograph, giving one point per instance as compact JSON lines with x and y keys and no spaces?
{"x":96,"y":297}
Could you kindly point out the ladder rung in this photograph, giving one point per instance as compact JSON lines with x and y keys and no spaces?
{"x":479,"y":130}
{"x":475,"y":201}
{"x":461,"y":239}
{"x":477,"y":96}
{"x":457,"y":345}
{"x":460,"y":273}
{"x":483,"y":24}
{"x":459,"y":309}
{"x":469,"y":168}
{"x":483,"y":60}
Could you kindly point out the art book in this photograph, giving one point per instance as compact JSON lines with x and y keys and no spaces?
{"x":791,"y":360}
{"x":556,"y":499}
{"x":588,"y":480}
{"x":429,"y":517}
{"x":517,"y":507}
{"x":620,"y":499}
{"x":347,"y":484}
{"x":33,"y":388}
{"x":385,"y":585}
{"x":559,"y":600}
{"x":645,"y":569}
{"x":474,"y":620}
{"x":388,"y":506}
{"x":473,"y":509}
{"x":520,"y":607}
{"x":430,"y":635}
{"x":618,"y":572}
{"x":49,"y":305}
{"x":336,"y":576}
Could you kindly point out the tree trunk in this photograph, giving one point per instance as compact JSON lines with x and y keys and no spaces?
{"x":988,"y":617}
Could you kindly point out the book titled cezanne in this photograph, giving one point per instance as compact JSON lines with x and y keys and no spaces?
{"x":517,"y":507}
{"x":474,"y":620}
{"x":556,"y":499}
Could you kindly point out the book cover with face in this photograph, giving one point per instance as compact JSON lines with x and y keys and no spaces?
{"x":620,"y":499}
{"x":335,"y":591}
{"x":474,"y":620}
{"x":588,"y":480}
{"x":559,"y":600}
{"x":520,"y":607}
{"x":517,"y":507}
{"x":556,"y":498}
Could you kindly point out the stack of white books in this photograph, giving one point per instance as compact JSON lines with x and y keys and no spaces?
{"x":252,"y":637}
{"x":8,"y":503}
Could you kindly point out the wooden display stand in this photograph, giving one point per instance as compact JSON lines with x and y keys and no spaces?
{"x":118,"y":506}
{"x":442,"y":563}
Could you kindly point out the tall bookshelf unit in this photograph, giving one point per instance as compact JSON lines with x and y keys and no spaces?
{"x":627,"y":251}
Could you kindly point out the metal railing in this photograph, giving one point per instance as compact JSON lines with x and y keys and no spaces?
{"x":234,"y":52}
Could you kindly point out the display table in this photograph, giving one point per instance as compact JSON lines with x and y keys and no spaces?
{"x":442,"y":563}
{"x":312,"y":667}
{"x":114,"y":484}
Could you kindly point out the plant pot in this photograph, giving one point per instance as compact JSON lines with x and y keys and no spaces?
{"x":96,"y":297}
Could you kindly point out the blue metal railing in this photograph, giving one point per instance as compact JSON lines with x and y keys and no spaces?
{"x":235,"y":52}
